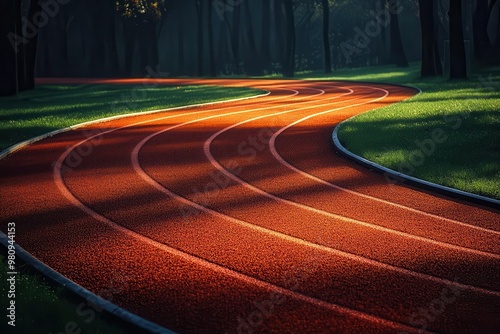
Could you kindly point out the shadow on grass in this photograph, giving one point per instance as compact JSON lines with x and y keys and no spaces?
{"x":466,"y":154}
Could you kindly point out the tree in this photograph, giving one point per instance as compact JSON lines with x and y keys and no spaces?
{"x":278,"y":31}
{"x":211,"y":50}
{"x":326,"y":37}
{"x":141,"y":19}
{"x":235,"y":39}
{"x":480,"y":30}
{"x":199,"y":16}
{"x":397,"y":50}
{"x":252,"y":63}
{"x":497,"y":41}
{"x":458,"y":60}
{"x":9,"y":40}
{"x":265,"y":56}
{"x":428,"y":67}
{"x":19,"y":41}
{"x":101,"y":23}
{"x":437,"y":26}
{"x":289,"y":60}
{"x":30,"y":51}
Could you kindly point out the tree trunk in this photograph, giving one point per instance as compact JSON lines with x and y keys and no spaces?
{"x":96,"y":23}
{"x":458,"y":60}
{"x":497,"y":41}
{"x":480,"y":30}
{"x":252,"y":64}
{"x":326,"y":37}
{"x":211,"y":50}
{"x":31,"y":50}
{"x":265,"y":45}
{"x":199,"y":16}
{"x":105,"y":38}
{"x":397,"y":50}
{"x":428,"y":68}
{"x":437,"y":56}
{"x":9,"y":42}
{"x":21,"y":54}
{"x":235,"y":39}
{"x":289,"y":62}
{"x":180,"y":46}
{"x":383,"y":54}
{"x":152,"y":60}
{"x":279,"y":36}
{"x":129,"y":39}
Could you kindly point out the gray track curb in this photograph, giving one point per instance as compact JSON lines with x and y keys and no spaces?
{"x":66,"y":282}
{"x":393,"y":176}
{"x":59,"y":279}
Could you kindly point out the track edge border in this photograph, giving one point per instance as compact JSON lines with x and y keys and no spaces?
{"x":394,"y":176}
{"x":59,"y":279}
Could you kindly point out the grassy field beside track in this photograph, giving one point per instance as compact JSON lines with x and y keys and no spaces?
{"x":52,"y":107}
{"x":449,"y":134}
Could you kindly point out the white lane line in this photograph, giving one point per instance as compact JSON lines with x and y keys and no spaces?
{"x":220,"y":269}
{"x":244,"y":183}
{"x":58,"y":179}
{"x":281,"y":160}
{"x":140,"y":171}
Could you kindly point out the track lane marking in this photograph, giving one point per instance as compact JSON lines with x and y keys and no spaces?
{"x":160,"y":187}
{"x":255,"y":189}
{"x":229,"y":272}
{"x":281,"y":160}
{"x":90,"y":211}
{"x":58,"y":179}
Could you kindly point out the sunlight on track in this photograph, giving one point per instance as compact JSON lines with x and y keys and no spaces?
{"x":146,"y":169}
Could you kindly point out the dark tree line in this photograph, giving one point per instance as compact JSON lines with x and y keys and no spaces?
{"x":485,"y":51}
{"x":109,"y":38}
{"x":18,"y":43}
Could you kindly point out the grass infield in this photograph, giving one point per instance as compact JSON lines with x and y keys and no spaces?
{"x":449,"y":134}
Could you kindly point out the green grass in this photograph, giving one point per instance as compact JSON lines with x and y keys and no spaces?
{"x":467,"y":154}
{"x":43,"y":308}
{"x":51,"y":107}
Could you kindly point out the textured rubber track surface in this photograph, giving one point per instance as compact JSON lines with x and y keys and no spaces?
{"x":240,"y":218}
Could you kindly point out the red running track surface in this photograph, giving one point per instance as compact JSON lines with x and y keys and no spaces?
{"x":240,"y":218}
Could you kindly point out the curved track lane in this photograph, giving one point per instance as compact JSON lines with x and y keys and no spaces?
{"x":239,"y":218}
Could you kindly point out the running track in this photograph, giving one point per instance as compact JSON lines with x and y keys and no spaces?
{"x":240,"y":218}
